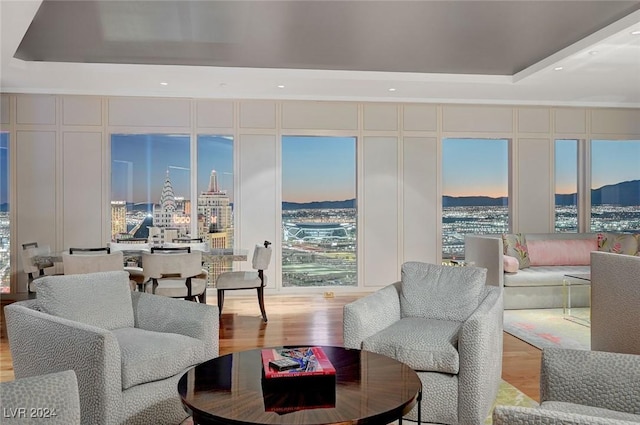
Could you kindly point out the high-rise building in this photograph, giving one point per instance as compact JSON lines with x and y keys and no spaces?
{"x":169,"y":213}
{"x":214,"y":211}
{"x":118,"y":218}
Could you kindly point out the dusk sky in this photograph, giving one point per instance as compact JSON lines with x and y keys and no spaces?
{"x":318,"y":168}
{"x":324,"y":168}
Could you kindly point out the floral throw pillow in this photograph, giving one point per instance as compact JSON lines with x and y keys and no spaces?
{"x":515,"y":245}
{"x":619,"y":243}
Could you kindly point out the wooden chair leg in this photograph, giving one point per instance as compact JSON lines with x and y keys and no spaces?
{"x":261,"y":302}
{"x":203,"y":297}
{"x":220,"y":301}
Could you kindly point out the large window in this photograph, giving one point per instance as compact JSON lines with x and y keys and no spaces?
{"x":615,"y":185}
{"x":319,"y":211}
{"x":5,"y":269}
{"x":475,"y":186}
{"x":150,"y":186}
{"x":215,"y":196}
{"x":566,"y":194}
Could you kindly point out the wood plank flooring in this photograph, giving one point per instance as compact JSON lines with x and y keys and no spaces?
{"x":312,"y":319}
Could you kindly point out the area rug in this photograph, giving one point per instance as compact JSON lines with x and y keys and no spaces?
{"x":507,"y":395}
{"x":545,"y":328}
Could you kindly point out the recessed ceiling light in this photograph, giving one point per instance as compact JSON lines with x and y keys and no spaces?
{"x":637,"y":32}
{"x":223,"y":84}
{"x":593,"y":52}
{"x":164,"y":83}
{"x":558,"y":68}
{"x":281,"y":86}
{"x":392,"y":89}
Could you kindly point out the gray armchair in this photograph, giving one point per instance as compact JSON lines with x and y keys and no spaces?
{"x":127,"y":349}
{"x":579,"y":387}
{"x":615,"y":302}
{"x":44,"y":399}
{"x":446,"y":324}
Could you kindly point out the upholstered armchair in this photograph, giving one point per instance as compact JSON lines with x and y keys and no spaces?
{"x":446,"y":324}
{"x":127,"y":349}
{"x":43,"y":399}
{"x":580,"y":387}
{"x":615,"y":302}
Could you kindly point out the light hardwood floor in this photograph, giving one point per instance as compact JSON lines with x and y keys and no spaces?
{"x":301,"y":320}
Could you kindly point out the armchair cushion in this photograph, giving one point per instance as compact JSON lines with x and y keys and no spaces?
{"x":437,"y":292}
{"x":102,"y":299}
{"x":422,"y":344}
{"x":151,"y":356}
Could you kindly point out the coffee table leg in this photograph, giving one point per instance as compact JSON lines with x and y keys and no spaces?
{"x":420,"y":407}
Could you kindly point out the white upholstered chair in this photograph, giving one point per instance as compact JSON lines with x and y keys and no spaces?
{"x":615,"y":302}
{"x":132,"y":264}
{"x":92,"y":263}
{"x":228,"y":281}
{"x":175,"y":275}
{"x":446,"y":324}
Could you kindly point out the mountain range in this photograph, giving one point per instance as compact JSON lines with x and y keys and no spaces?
{"x":622,"y":194}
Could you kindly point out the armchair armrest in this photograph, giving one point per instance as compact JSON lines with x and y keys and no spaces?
{"x":480,"y":350}
{"x":370,"y":314}
{"x":41,"y":343}
{"x":594,"y":378}
{"x":509,"y":415}
{"x":164,"y":314}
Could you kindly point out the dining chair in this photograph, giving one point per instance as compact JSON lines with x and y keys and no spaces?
{"x":89,"y":251}
{"x":175,"y":273}
{"x":29,"y":250}
{"x":132,"y":263}
{"x":196,"y":244}
{"x":229,"y":281}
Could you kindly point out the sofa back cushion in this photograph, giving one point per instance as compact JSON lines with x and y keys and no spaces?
{"x":440,"y":292}
{"x":97,"y":299}
{"x":561,"y":252}
{"x":515,"y":245}
{"x":619,"y":243}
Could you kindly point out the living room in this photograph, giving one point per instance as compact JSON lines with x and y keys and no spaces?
{"x":60,"y":138}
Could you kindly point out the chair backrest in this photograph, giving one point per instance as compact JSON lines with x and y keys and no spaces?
{"x":171,"y":249}
{"x":95,"y":262}
{"x":90,"y":251}
{"x":132,"y":240}
{"x":159,"y":265}
{"x":261,"y":257}
{"x":30,"y":250}
{"x":196,"y":244}
{"x":129,"y":246}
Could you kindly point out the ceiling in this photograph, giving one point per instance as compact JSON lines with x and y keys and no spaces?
{"x":457,"y":51}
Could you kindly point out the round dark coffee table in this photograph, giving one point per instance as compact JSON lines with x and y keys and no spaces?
{"x":368,"y":389}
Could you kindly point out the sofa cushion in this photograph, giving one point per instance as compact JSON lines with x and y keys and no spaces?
{"x":619,"y":243}
{"x":561,"y":252}
{"x":422,"y":344}
{"x":151,"y":356}
{"x":515,"y":245}
{"x":440,"y":292}
{"x":510,"y":264}
{"x":581,"y":409}
{"x":99,"y":299}
{"x":542,"y":275}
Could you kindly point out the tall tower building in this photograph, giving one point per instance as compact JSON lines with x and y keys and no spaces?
{"x":215,"y":212}
{"x":169,"y":213}
{"x":118,"y":218}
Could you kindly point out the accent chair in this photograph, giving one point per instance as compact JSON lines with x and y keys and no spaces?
{"x":127,"y":349}
{"x":581,"y":387}
{"x":43,"y":399}
{"x":229,"y":281}
{"x":446,"y":324}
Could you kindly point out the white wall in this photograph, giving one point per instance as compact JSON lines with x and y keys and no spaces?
{"x":60,"y":164}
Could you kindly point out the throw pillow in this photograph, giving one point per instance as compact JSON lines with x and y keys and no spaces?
{"x":510,"y":264}
{"x":440,"y":292}
{"x":97,"y":299}
{"x":618,"y":243}
{"x":515,"y":245}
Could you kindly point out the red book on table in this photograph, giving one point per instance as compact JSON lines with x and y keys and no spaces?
{"x":311,"y":361}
